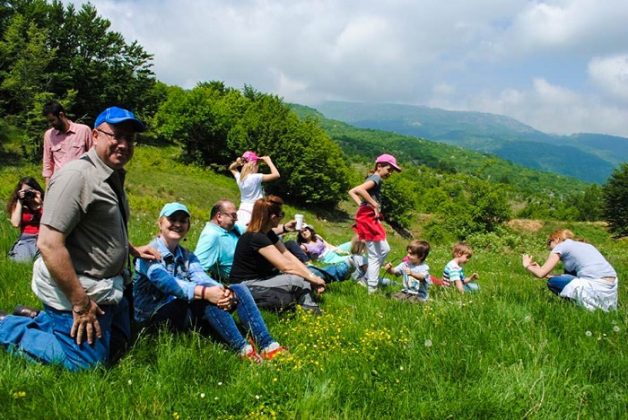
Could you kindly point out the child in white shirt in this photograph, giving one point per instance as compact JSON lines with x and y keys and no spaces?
{"x":415,"y":272}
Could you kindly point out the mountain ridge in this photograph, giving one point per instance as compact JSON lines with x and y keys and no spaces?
{"x":590,"y":157}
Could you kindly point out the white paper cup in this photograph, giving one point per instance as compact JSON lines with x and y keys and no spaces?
{"x":299,"y":219}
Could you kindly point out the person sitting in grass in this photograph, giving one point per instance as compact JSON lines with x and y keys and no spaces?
{"x":177,"y":291}
{"x":276,"y":278}
{"x":595,"y":283}
{"x":454,"y":274}
{"x":415,"y":272}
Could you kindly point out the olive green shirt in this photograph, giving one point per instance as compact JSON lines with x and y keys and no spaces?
{"x":82,"y":204}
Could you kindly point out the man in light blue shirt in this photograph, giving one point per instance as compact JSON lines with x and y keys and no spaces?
{"x":218,"y":240}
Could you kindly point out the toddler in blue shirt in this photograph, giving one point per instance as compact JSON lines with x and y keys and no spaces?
{"x":415,"y":272}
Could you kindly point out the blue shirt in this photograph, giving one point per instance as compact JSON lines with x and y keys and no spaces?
{"x":156,"y":283}
{"x":215,"y":249}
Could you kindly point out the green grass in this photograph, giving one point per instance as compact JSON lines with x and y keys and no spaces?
{"x":513,"y":350}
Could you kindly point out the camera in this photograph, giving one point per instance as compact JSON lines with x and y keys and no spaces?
{"x":29,"y":194}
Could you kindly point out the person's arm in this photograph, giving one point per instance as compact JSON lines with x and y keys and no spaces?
{"x":285,"y":262}
{"x":540,"y":271}
{"x":48,"y":162}
{"x":51,"y":244}
{"x":16,"y":214}
{"x":233,"y":168}
{"x":362,"y":191}
{"x":274,"y":173}
{"x":390,"y":269}
{"x":290,"y":226}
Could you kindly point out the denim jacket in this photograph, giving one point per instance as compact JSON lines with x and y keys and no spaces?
{"x":156,"y":283}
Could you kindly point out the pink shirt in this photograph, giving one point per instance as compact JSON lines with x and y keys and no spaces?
{"x":60,"y":148}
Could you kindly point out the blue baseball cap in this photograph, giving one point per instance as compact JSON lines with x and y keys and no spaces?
{"x":171,"y":208}
{"x":114,"y":115}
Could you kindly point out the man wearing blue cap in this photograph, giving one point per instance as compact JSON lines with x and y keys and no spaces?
{"x":84,"y":249}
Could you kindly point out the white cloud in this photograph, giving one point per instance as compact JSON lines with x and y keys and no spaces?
{"x":484,"y":53}
{"x":611,"y":75}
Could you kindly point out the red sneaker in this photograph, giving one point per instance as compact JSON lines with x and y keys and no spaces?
{"x":252,"y":356}
{"x":269,"y":355}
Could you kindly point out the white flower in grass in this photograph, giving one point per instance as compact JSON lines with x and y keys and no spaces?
{"x":130,"y":382}
{"x":616,"y":329}
{"x":215,"y":398}
{"x":202,"y":395}
{"x":588,"y":333}
{"x":257,"y":397}
{"x":428,"y":343}
{"x":400,"y":367}
{"x":219,"y":383}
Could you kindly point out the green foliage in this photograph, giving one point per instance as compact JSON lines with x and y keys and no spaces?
{"x":499,"y":352}
{"x":51,"y":51}
{"x":398,"y":201}
{"x":214,"y":124}
{"x":616,"y":201}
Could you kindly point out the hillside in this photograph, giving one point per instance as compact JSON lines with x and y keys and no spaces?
{"x":589,"y":157}
{"x":512,"y":350}
{"x":365,"y":144}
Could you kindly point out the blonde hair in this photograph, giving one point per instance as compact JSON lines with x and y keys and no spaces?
{"x":263,"y":210}
{"x":461,"y":248}
{"x":248,"y":168}
{"x":561,"y":235}
{"x":358,"y":246}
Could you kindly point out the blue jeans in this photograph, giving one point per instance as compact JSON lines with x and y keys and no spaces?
{"x":46,"y":338}
{"x":557,"y":283}
{"x":181,"y":315}
{"x":331,"y":273}
{"x":471,"y":287}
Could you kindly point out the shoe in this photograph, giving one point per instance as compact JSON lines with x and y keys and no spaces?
{"x":270,"y":355}
{"x":27,"y":311}
{"x":416,"y":299}
{"x":371,"y":290}
{"x":401,"y":296}
{"x":251,"y":355}
{"x":2,"y":315}
{"x":362,"y":282}
{"x":312,"y":309}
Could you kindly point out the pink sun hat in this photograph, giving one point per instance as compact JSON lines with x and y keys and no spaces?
{"x":389,"y":159}
{"x":250,"y":155}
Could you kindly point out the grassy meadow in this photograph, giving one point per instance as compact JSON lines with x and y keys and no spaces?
{"x":511,"y":351}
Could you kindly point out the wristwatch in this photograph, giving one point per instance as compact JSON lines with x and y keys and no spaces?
{"x":84,"y":309}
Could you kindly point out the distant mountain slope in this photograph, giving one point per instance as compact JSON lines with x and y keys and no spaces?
{"x":590,"y":157}
{"x":368,"y":143}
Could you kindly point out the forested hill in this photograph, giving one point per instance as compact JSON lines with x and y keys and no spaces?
{"x":366,"y":144}
{"x":589,"y":157}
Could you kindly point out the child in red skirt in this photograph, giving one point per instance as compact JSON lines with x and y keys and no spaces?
{"x":368,"y":224}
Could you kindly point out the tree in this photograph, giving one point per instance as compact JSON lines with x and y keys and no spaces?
{"x":616,"y":201}
{"x":51,"y":51}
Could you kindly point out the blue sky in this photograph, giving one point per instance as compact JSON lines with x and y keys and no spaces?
{"x":560,"y":66}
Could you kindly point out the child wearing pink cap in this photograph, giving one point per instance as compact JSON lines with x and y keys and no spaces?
{"x":367,"y":219}
{"x":244,"y":170}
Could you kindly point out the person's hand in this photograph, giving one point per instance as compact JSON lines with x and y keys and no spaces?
{"x":526,"y":260}
{"x":145,"y":252}
{"x":290,"y":226}
{"x":228,"y":300}
{"x":215,"y":294}
{"x":266,"y":159}
{"x":387,"y":266}
{"x":474,"y":277}
{"x":320,"y":289}
{"x":85,"y":323}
